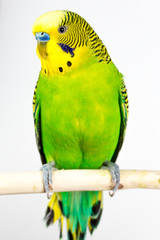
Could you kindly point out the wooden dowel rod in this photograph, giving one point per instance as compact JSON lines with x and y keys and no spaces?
{"x":77,"y":180}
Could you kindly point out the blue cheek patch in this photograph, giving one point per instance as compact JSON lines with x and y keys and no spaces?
{"x":67,"y":49}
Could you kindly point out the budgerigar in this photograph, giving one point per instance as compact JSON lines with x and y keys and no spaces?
{"x":80,"y":110}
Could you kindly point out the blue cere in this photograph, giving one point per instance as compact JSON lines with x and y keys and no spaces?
{"x":42,"y":37}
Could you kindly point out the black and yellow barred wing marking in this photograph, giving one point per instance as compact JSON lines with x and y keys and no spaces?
{"x":37,"y":126}
{"x":124,"y":101}
{"x":80,"y":34}
{"x":34,"y":99}
{"x":124,"y":108}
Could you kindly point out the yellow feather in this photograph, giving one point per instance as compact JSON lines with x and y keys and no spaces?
{"x":48,"y":21}
{"x":88,"y":46}
{"x":53,"y":204}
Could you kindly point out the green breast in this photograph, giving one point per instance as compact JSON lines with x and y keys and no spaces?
{"x":80,"y":116}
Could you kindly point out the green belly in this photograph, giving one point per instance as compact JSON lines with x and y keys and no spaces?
{"x":80,"y":123}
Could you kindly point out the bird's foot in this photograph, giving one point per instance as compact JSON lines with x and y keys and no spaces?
{"x":115,"y":173}
{"x":47,"y":177}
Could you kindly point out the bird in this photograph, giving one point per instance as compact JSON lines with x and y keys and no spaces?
{"x":80,"y":110}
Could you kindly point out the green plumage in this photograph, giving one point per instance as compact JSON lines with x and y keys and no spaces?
{"x":80,"y":116}
{"x":80,"y":120}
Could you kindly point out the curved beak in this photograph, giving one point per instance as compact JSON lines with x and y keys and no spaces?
{"x":42,"y":39}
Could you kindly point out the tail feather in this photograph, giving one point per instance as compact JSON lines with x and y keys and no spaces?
{"x":53,"y":212}
{"x":81,"y":209}
{"x":77,"y":235}
{"x":61,"y":227}
{"x":93,"y":222}
{"x":82,"y":236}
{"x":95,"y":217}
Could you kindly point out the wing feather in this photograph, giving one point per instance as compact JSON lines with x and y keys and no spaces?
{"x":124,"y":107}
{"x":37,"y":126}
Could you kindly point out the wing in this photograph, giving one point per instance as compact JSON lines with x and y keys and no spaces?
{"x":37,"y":125}
{"x":124,"y":107}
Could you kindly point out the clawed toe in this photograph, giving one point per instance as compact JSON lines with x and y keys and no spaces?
{"x":47,"y":177}
{"x":115,"y":173}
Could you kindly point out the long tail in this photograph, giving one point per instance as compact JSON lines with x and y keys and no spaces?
{"x":81,"y":209}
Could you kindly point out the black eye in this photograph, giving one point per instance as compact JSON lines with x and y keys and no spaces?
{"x":62,"y":29}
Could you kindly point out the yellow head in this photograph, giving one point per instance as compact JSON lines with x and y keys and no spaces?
{"x":66,"y":41}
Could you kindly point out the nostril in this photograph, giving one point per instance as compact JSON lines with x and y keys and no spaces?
{"x":42,"y":37}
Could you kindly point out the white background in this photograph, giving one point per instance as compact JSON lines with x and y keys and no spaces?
{"x":131,"y":32}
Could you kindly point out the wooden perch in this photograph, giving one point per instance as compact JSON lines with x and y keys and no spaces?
{"x":76,"y":180}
